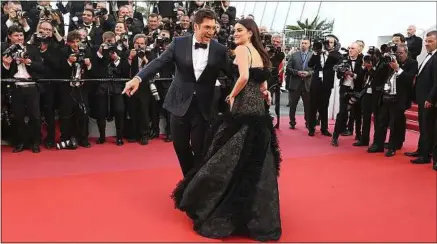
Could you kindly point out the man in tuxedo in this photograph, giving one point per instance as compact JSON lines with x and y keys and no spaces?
{"x":198,"y":63}
{"x":351,"y":81}
{"x":299,"y":81}
{"x":426,"y":98}
{"x":23,"y":64}
{"x":322,"y":63}
{"x":395,"y":100}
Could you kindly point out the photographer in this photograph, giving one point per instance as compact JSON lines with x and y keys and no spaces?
{"x":108,"y":94}
{"x":370,"y":98}
{"x":162,"y":87}
{"x":325,"y":56}
{"x":274,"y":50}
{"x":21,"y":61}
{"x":44,"y":12}
{"x":395,"y":100}
{"x":126,"y":15}
{"x":75,"y":64}
{"x":49,"y":50}
{"x":350,"y":73}
{"x":16,"y":16}
{"x":95,"y":32}
{"x":138,"y":105}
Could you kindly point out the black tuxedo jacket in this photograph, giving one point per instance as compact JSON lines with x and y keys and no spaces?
{"x":35,"y":69}
{"x":426,"y":83}
{"x":184,"y":84}
{"x":404,"y":83}
{"x":328,"y":69}
{"x":359,"y":71}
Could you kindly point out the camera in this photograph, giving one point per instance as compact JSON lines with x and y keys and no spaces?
{"x":39,"y":39}
{"x":45,"y":10}
{"x":162,"y":42}
{"x":109,"y":48}
{"x":154,"y":91}
{"x":67,"y":144}
{"x":389,"y":52}
{"x":370,"y":53}
{"x":343,"y":66}
{"x":140,"y":53}
{"x":266,"y":39}
{"x":317,"y":45}
{"x":100,"y":12}
{"x":22,"y":14}
{"x":128,"y":20}
{"x":16,"y":51}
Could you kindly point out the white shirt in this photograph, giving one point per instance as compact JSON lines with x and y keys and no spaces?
{"x":200,"y":59}
{"x":425,"y":61}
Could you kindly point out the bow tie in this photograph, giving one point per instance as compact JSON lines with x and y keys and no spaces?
{"x":200,"y":45}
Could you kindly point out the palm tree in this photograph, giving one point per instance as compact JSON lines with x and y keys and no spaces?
{"x":315,"y":29}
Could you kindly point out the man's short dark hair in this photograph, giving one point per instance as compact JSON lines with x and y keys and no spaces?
{"x":73,"y":36}
{"x":402,"y":37}
{"x":15,"y":28}
{"x":152,"y":15}
{"x":89,"y":10}
{"x":305,"y":39}
{"x":432,"y":33}
{"x":203,"y":13}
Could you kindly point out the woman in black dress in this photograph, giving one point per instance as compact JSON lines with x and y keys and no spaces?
{"x":235,"y":191}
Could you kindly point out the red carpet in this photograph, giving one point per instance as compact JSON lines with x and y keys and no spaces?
{"x":121,"y":194}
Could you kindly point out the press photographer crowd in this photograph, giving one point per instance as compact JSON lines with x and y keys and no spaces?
{"x":80,"y":74}
{"x":380,"y":84}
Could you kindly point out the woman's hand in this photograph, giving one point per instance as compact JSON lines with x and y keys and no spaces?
{"x":267,"y":96}
{"x":230,"y":100}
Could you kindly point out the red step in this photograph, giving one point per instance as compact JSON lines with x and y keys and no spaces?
{"x":414,"y":108}
{"x":413,"y":125}
{"x":412,"y":115}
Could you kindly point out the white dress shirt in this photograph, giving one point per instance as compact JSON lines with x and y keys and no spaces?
{"x":200,"y":59}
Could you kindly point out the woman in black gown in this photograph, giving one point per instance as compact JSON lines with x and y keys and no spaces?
{"x":235,"y":191}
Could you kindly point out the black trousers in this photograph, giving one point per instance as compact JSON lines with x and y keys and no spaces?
{"x":189,"y":128}
{"x":300,"y":92}
{"x":427,"y":118}
{"x":342,"y":115}
{"x":74,"y":112}
{"x":157,"y":109}
{"x":319,"y":102}
{"x":26,"y":101}
{"x":113,"y":103}
{"x":138,"y":108}
{"x":390,"y":116}
{"x":355,"y":118}
{"x":48,"y":109}
{"x":367,"y":111}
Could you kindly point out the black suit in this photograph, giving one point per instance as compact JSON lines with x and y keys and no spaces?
{"x":26,"y":98}
{"x":393,"y":108}
{"x":345,"y":96}
{"x":190,"y":113}
{"x":426,"y":90}
{"x":137,"y":106}
{"x":320,"y":89}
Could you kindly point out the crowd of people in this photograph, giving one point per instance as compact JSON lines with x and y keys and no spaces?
{"x":107,"y":43}
{"x":382,"y":83}
{"x":85,"y":68}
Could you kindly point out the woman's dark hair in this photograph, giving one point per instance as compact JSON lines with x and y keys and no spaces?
{"x":250,"y":25}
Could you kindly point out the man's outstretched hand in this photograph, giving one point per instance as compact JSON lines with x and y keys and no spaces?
{"x":131,"y":86}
